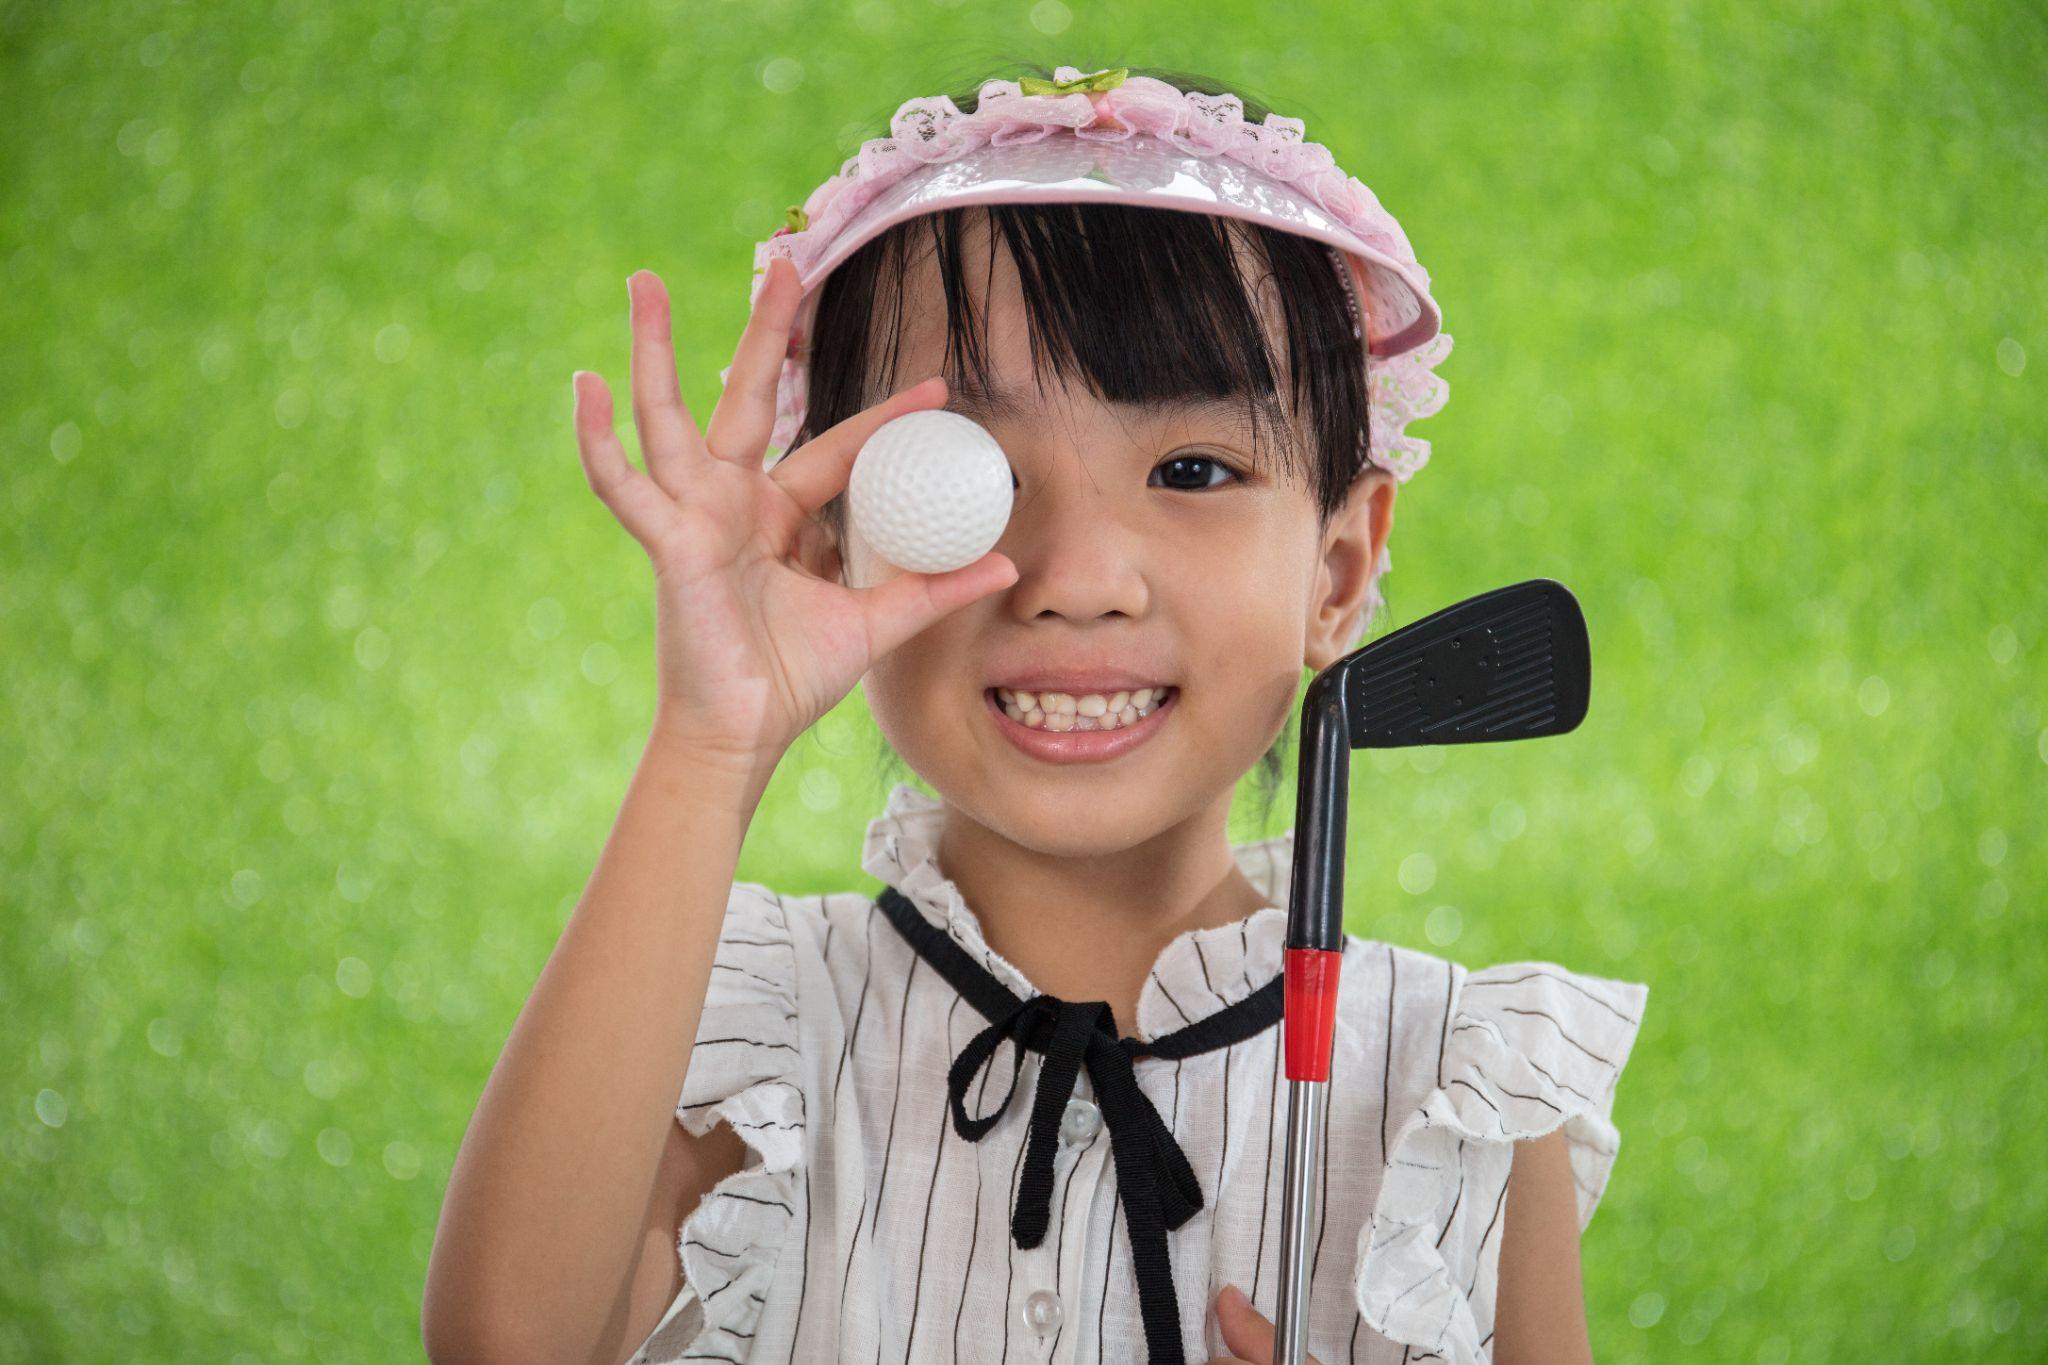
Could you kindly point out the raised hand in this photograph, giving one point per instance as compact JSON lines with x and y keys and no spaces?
{"x":755,"y":636}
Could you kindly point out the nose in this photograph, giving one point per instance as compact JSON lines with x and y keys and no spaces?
{"x":1079,"y":546}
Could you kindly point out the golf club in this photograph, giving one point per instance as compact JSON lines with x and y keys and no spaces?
{"x":1508,"y":664}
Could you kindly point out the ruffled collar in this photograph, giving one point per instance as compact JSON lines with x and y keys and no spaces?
{"x":1198,"y":973}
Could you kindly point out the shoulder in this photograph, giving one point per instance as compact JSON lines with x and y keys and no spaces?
{"x":756,"y":905}
{"x":831,"y":949}
{"x":802,"y":927}
{"x":1397,"y":1003}
{"x":1516,"y":1088}
{"x":1561,"y":1035}
{"x":1387,"y":978}
{"x":1573,"y":1028}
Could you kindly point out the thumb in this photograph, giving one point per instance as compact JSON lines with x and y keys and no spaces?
{"x":902,"y":606}
{"x":1246,"y":1331}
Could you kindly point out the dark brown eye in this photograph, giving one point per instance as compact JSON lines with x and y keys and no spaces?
{"x":1191,"y":473}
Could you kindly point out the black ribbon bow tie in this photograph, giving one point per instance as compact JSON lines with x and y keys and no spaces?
{"x":1155,"y":1184}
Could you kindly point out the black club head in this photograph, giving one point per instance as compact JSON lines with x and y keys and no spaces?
{"x":1509,"y":664}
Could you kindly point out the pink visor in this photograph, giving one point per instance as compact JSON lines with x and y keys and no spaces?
{"x":1149,"y":173}
{"x":1106,"y":137}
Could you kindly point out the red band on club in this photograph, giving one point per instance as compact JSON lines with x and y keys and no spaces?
{"x":1311,"y":1018}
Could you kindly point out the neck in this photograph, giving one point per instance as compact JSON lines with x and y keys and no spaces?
{"x":1091,"y":926}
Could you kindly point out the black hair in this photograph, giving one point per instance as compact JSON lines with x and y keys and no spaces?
{"x":1140,"y":305}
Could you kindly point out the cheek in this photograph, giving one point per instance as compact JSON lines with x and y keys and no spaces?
{"x":1252,"y":640}
{"x":1252,"y":661}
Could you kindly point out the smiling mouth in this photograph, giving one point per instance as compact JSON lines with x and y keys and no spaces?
{"x":1064,"y":712}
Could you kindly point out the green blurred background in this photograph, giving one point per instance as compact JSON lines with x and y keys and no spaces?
{"x":325,"y":673}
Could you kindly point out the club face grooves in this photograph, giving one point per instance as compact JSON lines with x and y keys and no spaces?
{"x":1509,"y":664}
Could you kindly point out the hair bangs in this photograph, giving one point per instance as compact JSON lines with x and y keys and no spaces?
{"x":1142,"y":307}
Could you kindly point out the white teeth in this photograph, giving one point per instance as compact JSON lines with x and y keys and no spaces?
{"x":1062,"y":711}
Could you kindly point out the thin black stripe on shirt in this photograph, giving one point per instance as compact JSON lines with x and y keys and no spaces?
{"x":1552,"y":976}
{"x":852,"y":1037}
{"x":1479,"y":1257}
{"x":1450,"y":979}
{"x":895,"y":1102}
{"x":1170,"y":1000}
{"x":1108,"y":1266}
{"x":751,"y":1042}
{"x":1266,"y":1192}
{"x":1059,"y":1247}
{"x":730,"y":967}
{"x":1564,"y":1034}
{"x":973,"y":1235}
{"x":1387,"y":1077}
{"x":1010,"y":1246}
{"x":860,"y":1010}
{"x":804,"y":1284}
{"x":924,"y":1237}
{"x":1203,"y":958}
{"x":1322,"y":1218}
{"x":1223,"y":1157}
{"x":973,"y":1232}
{"x":804,"y":1112}
{"x":1460,"y":1080}
{"x":1458,"y":1196}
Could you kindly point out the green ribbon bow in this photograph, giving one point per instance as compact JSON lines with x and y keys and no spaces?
{"x":1109,"y":78}
{"x":795,"y":219}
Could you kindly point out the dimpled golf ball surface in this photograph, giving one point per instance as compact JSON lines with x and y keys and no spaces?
{"x":930,"y":491}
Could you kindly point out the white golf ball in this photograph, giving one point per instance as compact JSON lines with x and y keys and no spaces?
{"x":930,"y":491}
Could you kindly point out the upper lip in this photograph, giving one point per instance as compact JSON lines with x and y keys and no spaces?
{"x":1078,"y":682}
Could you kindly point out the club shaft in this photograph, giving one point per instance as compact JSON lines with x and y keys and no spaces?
{"x":1299,"y":1194}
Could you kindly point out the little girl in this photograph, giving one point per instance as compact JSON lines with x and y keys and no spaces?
{"x":1021,"y":1104}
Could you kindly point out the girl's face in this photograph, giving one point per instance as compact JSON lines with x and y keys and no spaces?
{"x":1147,"y":541}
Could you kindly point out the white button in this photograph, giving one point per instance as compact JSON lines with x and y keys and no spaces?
{"x":1042,"y":1311}
{"x":1081,"y":1121}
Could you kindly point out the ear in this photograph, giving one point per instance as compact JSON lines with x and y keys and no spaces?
{"x":1350,"y":547}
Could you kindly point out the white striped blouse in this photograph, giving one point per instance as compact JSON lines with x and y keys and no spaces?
{"x":865,"y":1227}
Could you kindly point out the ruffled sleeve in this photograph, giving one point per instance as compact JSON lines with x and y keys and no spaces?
{"x":745,"y":1070}
{"x":1527,"y":1047}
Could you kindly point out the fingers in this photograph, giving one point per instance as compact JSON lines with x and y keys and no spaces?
{"x":815,"y":472}
{"x":901,"y":607}
{"x":1246,"y":1331}
{"x":745,"y":415}
{"x":632,"y":497}
{"x":668,"y":433}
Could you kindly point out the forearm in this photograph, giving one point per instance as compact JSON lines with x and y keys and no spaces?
{"x":541,"y":1221}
